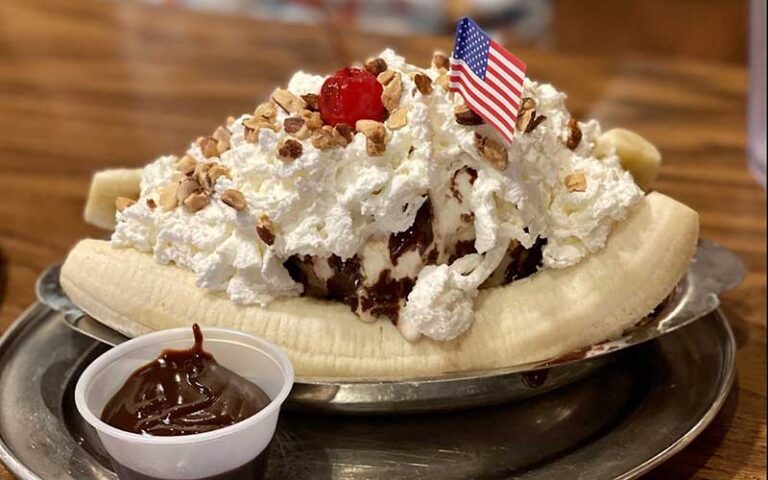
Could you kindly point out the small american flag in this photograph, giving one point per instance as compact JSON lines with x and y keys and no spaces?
{"x":488,"y":77}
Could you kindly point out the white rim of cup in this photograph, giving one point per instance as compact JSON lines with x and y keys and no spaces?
{"x":117,"y":352}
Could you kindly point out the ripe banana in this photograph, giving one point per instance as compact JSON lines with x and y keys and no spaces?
{"x":636,"y":154}
{"x":546,"y":315}
{"x":106,"y":187}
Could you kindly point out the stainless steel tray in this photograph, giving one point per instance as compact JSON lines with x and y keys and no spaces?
{"x":713,"y":271}
{"x":618,"y":423}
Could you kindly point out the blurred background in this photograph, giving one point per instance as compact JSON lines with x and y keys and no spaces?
{"x":705,"y":30}
{"x":714,"y":29}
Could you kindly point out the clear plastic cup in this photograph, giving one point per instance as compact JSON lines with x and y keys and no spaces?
{"x":201,"y":455}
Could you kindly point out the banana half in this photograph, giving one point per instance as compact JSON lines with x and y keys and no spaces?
{"x":546,"y":315}
{"x":106,"y":187}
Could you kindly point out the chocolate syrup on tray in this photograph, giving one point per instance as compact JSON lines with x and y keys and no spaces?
{"x":183,"y":392}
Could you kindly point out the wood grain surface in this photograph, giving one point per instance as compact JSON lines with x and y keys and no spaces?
{"x":89,"y":84}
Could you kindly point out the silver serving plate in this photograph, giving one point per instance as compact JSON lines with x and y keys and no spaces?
{"x":714,"y":270}
{"x":617,"y":424}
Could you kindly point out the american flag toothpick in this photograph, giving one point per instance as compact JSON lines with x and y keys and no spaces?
{"x":488,"y":77}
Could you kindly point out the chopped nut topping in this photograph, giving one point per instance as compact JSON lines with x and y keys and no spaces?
{"x":375,"y":149}
{"x":312,"y":119}
{"x":196,"y":201}
{"x":492,"y":151}
{"x":265,"y":112}
{"x":222,"y":137}
{"x":253,"y":123}
{"x":440,"y":61}
{"x":398,"y":119}
{"x":202,"y":169}
{"x":390,"y":97}
{"x":218,"y":170}
{"x":253,"y":126}
{"x":208,"y":175}
{"x":387,"y":76}
{"x":169,"y":196}
{"x":322,"y":139}
{"x":264,"y":116}
{"x":121,"y":203}
{"x":372,"y":130}
{"x":576,"y":182}
{"x":311,"y":100}
{"x":423,"y":83}
{"x":575,"y":138}
{"x":234,"y":199}
{"x":343,"y":134}
{"x":187,"y":187}
{"x":375,"y":134}
{"x":200,"y":175}
{"x":535,"y":123}
{"x":289,"y":149}
{"x":208,"y":147}
{"x":251,"y":136}
{"x":375,"y":65}
{"x":151,"y":204}
{"x":527,"y":104}
{"x":524,"y":118}
{"x":444,"y":81}
{"x":296,"y":127}
{"x":527,"y":121}
{"x":230,"y":121}
{"x":186,"y":165}
{"x":465,"y":116}
{"x":288,"y":101}
{"x":265,"y":230}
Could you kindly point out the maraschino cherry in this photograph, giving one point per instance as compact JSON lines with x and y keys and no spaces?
{"x":350,"y":95}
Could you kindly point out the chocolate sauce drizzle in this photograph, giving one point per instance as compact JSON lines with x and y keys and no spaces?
{"x":463,"y":247}
{"x":418,"y":236}
{"x":301,"y":270}
{"x":524,"y":262}
{"x":384,"y":297}
{"x":346,"y":280}
{"x":455,"y":191}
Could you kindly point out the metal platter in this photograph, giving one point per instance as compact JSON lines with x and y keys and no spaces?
{"x":630,"y":415}
{"x":713,"y":271}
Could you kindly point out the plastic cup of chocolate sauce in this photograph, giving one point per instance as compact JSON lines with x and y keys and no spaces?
{"x":234,"y":452}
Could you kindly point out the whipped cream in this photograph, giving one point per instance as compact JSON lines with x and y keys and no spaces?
{"x":343,"y":203}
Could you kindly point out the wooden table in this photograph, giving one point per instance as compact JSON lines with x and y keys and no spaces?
{"x":88,"y":85}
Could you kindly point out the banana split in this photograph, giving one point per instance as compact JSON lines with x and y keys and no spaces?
{"x":379,"y":188}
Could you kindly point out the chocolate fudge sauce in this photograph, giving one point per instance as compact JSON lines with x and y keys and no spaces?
{"x":524,"y":262}
{"x":418,"y":236}
{"x":345,"y":281}
{"x":383,"y":296}
{"x":183,"y":392}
